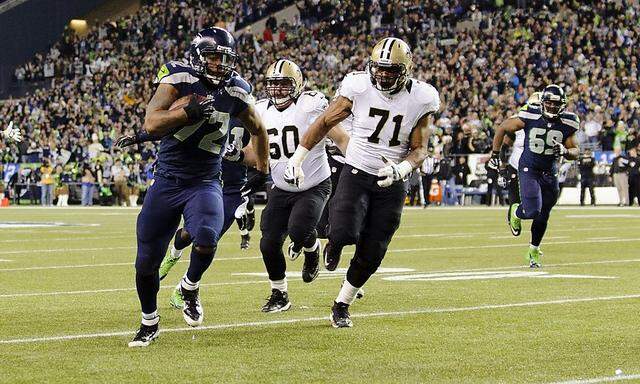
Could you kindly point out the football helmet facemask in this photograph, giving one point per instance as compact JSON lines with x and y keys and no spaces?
{"x":389,"y":65}
{"x":553,"y":101}
{"x":283,"y":82}
{"x":212,"y":55}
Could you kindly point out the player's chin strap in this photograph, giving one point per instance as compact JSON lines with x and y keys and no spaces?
{"x":393,"y":172}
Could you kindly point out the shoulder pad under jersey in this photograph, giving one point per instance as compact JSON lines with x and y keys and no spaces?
{"x":312,"y":101}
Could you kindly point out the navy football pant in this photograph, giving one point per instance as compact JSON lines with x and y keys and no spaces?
{"x":538,"y":193}
{"x":200,"y":204}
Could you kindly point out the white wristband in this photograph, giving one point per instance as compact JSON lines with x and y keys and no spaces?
{"x":299,"y":155}
{"x":404,"y":168}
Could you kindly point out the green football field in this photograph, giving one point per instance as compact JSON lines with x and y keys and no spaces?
{"x":453,"y":303}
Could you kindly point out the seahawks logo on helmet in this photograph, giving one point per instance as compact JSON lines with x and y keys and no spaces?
{"x":389,"y":65}
{"x":284,"y":82}
{"x":553,"y":101}
{"x":212,"y":55}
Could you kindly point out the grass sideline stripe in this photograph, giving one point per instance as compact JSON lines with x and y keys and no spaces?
{"x":608,"y":379}
{"x":324,"y":318}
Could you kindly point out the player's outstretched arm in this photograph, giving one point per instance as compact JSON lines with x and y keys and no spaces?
{"x":158,"y":120}
{"x":340,"y":137}
{"x":509,"y":126}
{"x":338,"y":110}
{"x":259,"y":139}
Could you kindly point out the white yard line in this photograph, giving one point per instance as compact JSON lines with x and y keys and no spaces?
{"x":344,"y":255}
{"x":609,"y":379}
{"x":325,"y":318}
{"x":321,"y":277}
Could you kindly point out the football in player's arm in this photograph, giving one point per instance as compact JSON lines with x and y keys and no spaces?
{"x":187,"y":173}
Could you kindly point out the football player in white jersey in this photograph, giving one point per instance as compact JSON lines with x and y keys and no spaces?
{"x":509,"y":173}
{"x":292,"y":209}
{"x":389,"y":138}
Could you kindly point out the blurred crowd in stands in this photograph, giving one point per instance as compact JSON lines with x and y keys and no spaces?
{"x":484,"y":57}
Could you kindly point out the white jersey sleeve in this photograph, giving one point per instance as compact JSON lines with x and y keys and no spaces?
{"x":517,"y":149}
{"x":352,"y":85}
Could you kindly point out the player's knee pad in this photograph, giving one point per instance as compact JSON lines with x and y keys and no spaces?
{"x":146,"y":264}
{"x":341,"y":238}
{"x":270,"y":246}
{"x":206,"y":237}
{"x":369,"y":266}
{"x":301,"y":233}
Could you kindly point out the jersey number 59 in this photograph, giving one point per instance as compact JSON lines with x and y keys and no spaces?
{"x":538,"y":137}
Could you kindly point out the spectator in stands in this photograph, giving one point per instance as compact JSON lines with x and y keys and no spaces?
{"x":586,"y":164}
{"x":62,"y":178}
{"x":634,"y":175}
{"x":46,"y":183}
{"x":619,"y":172}
{"x":120,"y":174}
{"x":88,"y":185}
{"x":427,"y":171}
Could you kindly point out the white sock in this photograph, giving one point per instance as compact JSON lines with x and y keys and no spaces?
{"x":280,"y":285}
{"x":150,"y":318}
{"x":313,"y":248}
{"x":244,"y":232}
{"x":175,"y":253}
{"x":188,"y":284}
{"x":536,"y":247}
{"x":347,"y":293}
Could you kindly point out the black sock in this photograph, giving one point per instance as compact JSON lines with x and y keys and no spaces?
{"x":148,"y":286}
{"x":538,"y":228}
{"x":179,"y":242}
{"x":198,"y":264}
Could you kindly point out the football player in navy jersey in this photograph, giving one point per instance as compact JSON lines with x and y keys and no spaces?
{"x":234,"y":179}
{"x":549,"y":135}
{"x":187,"y":175}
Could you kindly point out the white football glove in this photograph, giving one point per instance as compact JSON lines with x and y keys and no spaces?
{"x":12,"y":133}
{"x":294,"y":175}
{"x":559,"y":150}
{"x":393,"y":172}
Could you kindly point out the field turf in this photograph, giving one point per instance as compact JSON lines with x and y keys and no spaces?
{"x":455,"y":303}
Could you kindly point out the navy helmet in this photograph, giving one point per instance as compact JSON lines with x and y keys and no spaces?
{"x":212,"y":55}
{"x":553,"y":101}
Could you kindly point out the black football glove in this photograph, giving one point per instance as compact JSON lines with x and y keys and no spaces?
{"x":233,"y":153}
{"x":198,"y":110}
{"x":494,"y":162}
{"x":126,"y":141}
{"x":254,"y":183}
{"x":502,"y":178}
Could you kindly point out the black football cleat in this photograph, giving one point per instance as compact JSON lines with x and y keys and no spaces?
{"x":331,"y":256}
{"x":192,"y":309}
{"x":311,"y":267}
{"x":277,"y":302}
{"x":145,"y":335}
{"x":245,"y":241}
{"x":340,"y":317}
